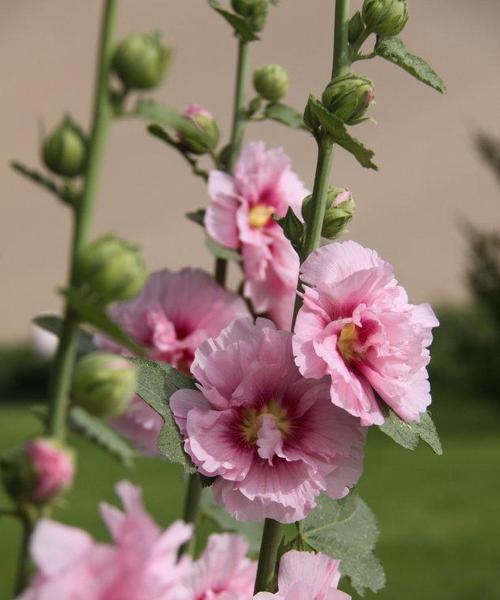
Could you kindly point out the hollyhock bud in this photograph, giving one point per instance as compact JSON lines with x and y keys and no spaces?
{"x":348,"y":97}
{"x":271,"y":82}
{"x":356,"y":27}
{"x":385,"y":17}
{"x":255,"y":11}
{"x":38,"y":472}
{"x":104,"y":384}
{"x":141,"y":61}
{"x":207,"y":124}
{"x":64,"y":151}
{"x":340,"y":209}
{"x":112,"y":268}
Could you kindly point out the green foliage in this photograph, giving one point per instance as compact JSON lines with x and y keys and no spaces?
{"x":65,"y":192}
{"x":339,"y":134}
{"x":293,"y":229}
{"x":197,"y":216}
{"x":96,"y":430}
{"x":408,"y":435}
{"x":241,"y":27}
{"x":346,"y":530}
{"x":489,"y":148}
{"x":54,"y":324}
{"x":287,"y":115}
{"x":394,"y":50}
{"x":156,"y":382}
{"x":221,"y":251}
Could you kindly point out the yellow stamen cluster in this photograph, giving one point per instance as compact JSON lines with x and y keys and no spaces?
{"x":260,"y":215}
{"x":346,"y":342}
{"x":252,"y":420}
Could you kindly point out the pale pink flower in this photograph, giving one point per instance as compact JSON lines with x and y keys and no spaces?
{"x":357,"y":326}
{"x":272,"y":439}
{"x":53,"y":467}
{"x":306,"y":576}
{"x":222,"y":572}
{"x":171,"y":317}
{"x":240,"y":216}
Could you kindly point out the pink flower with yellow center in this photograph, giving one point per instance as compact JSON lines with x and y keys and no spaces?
{"x":272,"y":439}
{"x":242,"y":216}
{"x":357,"y":327}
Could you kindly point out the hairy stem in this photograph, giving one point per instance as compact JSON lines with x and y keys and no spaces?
{"x":271,"y":538}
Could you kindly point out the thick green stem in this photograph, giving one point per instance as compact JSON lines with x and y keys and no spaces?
{"x":271,"y":538}
{"x":191,"y":510}
{"x":238,"y":126}
{"x":66,"y":352}
{"x":341,"y":54}
{"x":23,"y":565}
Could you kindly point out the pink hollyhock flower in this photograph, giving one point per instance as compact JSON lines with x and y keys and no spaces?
{"x":357,"y":326}
{"x":221,"y":573}
{"x":306,"y":576}
{"x":53,"y":467}
{"x":240,"y":216}
{"x":272,"y":439}
{"x":171,"y":317}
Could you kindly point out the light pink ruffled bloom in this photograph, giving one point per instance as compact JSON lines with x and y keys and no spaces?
{"x":141,"y":565}
{"x":171,"y":317}
{"x":357,"y":326}
{"x":54,"y":468}
{"x":272,"y":439}
{"x":222,"y":572}
{"x":306,"y":576}
{"x":240,"y":216}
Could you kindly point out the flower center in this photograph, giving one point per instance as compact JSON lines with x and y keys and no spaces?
{"x":260,"y":215}
{"x":252,"y":420}
{"x":347,"y":341}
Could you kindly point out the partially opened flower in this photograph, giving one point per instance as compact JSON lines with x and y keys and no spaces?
{"x":171,"y":317}
{"x":306,"y":576}
{"x":357,"y":326}
{"x":53,"y":466}
{"x":241,"y":216}
{"x":221,"y":573}
{"x":272,"y":439}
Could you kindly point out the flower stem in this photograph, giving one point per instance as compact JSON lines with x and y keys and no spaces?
{"x":271,"y":538}
{"x":23,"y":563}
{"x":66,"y":352}
{"x":191,"y":510}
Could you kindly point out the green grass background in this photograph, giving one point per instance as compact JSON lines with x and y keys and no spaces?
{"x":439,"y":516}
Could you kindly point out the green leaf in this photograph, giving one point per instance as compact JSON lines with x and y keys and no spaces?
{"x":339,"y":134}
{"x":97,"y":431}
{"x":408,"y":435}
{"x":240,"y":26}
{"x":394,"y":50}
{"x":221,"y":251}
{"x":64,"y":193}
{"x":293,"y":229}
{"x":89,"y":312}
{"x":197,"y":216}
{"x":156,"y":382}
{"x":54,"y":324}
{"x":224,"y":522}
{"x":284,"y":114}
{"x":346,"y":530}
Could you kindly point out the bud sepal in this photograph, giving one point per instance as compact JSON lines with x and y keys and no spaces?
{"x":348,"y":97}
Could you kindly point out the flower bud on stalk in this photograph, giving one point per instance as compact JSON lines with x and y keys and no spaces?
{"x":386,"y":18}
{"x":38,"y":472}
{"x":254,"y":11}
{"x":340,"y":208}
{"x":204,"y":121}
{"x":141,"y":61}
{"x":112,"y":268}
{"x":64,"y":151}
{"x":271,"y":82}
{"x":348,"y":97}
{"x":103,"y":384}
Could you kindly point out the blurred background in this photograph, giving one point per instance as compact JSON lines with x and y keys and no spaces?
{"x":438,"y":515}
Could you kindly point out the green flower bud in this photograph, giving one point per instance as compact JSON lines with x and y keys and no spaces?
{"x":207,"y":124}
{"x":254,"y":11}
{"x":271,"y":82}
{"x":348,"y":97}
{"x":386,"y":18}
{"x":112,"y":268}
{"x":141,"y":61}
{"x":64,"y":151}
{"x":356,"y":27}
{"x":103,"y":384}
{"x":340,"y":208}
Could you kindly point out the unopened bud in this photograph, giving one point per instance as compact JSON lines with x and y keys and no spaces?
{"x":271,"y":82}
{"x":386,"y":18}
{"x":111,"y":268}
{"x":206,"y":123}
{"x":38,"y":472}
{"x":141,"y":61}
{"x":348,"y":97}
{"x":356,"y":27}
{"x":103,"y":384}
{"x":254,"y":11}
{"x":339,"y":211}
{"x":64,"y":151}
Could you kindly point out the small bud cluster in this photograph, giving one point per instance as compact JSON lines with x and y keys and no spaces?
{"x":253,"y":11}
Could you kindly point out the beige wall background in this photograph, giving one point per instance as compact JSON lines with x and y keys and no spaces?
{"x":430,"y":175}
